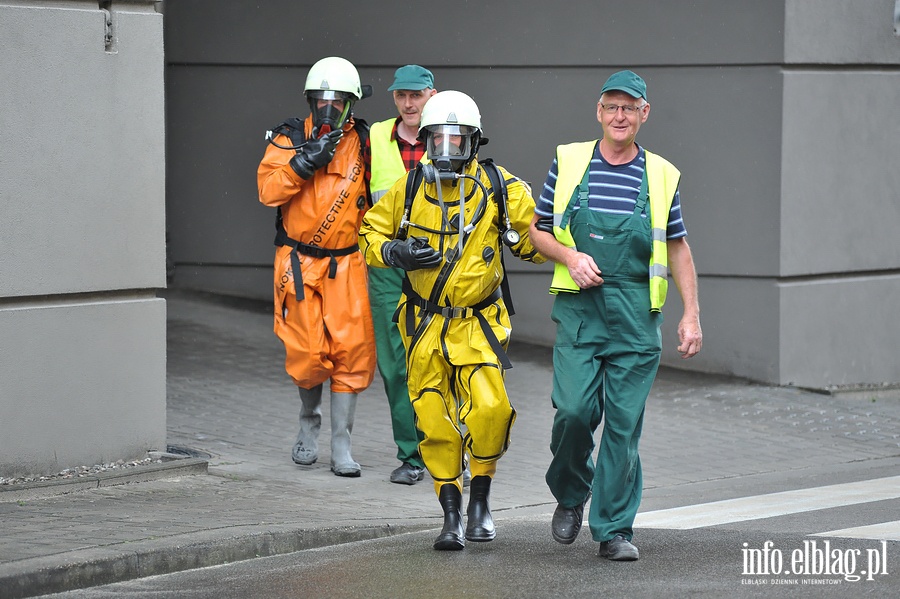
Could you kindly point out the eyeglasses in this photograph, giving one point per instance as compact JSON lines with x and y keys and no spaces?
{"x":628,"y":109}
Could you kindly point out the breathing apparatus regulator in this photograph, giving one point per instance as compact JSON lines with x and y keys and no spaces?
{"x":451,"y":131}
{"x":332,"y":79}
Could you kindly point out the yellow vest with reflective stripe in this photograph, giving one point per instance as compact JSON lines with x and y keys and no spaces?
{"x":387,"y":165}
{"x":662,"y":183}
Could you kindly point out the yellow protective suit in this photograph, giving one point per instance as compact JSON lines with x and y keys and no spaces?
{"x":327,"y":328}
{"x":455,"y":377}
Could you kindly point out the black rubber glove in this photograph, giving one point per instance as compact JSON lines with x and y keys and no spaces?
{"x":412,"y":253}
{"x":315,"y":153}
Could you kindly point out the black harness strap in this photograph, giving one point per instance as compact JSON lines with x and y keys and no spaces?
{"x":298,"y":247}
{"x":413,"y":181}
{"x":498,"y":191}
{"x":498,"y":185}
{"x":454,"y":312}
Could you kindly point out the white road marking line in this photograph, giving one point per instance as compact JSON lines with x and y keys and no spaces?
{"x":886,"y":531}
{"x":770,"y":505}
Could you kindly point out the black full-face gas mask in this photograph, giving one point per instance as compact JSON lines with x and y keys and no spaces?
{"x":329,"y":117}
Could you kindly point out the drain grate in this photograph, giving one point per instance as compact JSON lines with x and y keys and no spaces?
{"x":187,"y":452}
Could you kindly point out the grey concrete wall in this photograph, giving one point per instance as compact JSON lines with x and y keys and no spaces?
{"x":82,"y":384}
{"x":839,"y":331}
{"x":839,"y":258}
{"x":840,"y":212}
{"x":736,"y":88}
{"x":840,"y":32}
{"x":82,"y":333}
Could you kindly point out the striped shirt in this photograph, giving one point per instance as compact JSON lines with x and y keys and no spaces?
{"x":612,"y":188}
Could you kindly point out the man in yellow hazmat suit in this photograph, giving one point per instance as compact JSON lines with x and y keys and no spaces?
{"x":443,"y":225}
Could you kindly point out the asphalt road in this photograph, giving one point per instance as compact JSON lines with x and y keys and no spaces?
{"x":521,"y":563}
{"x":735,"y":554}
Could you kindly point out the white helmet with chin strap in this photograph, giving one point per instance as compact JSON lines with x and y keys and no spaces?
{"x":451,"y":129}
{"x":332,"y":78}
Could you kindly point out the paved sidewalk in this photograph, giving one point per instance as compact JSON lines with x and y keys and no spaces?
{"x":229,"y":398}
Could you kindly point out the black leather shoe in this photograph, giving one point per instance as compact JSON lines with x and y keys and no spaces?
{"x":479,"y":522}
{"x":407,"y":474}
{"x":567,"y":523}
{"x":619,"y":549}
{"x":451,"y":537}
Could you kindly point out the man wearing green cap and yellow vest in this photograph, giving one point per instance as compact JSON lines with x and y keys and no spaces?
{"x":395,"y":150}
{"x":610,"y":218}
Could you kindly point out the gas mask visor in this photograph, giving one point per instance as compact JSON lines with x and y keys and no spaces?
{"x":449,"y":147}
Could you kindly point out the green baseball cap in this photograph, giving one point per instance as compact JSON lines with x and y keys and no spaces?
{"x":412,"y":77}
{"x":628,"y":82}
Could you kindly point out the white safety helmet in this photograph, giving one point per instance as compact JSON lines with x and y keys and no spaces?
{"x":332,"y":78}
{"x":451,"y":130}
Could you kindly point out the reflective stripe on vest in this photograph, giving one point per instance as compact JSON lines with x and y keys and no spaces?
{"x":662,"y":181}
{"x":387,"y":166}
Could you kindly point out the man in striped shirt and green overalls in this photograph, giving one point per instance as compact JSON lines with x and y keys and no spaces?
{"x":609,"y":216}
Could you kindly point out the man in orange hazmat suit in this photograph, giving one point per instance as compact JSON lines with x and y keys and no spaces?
{"x":314,"y":172}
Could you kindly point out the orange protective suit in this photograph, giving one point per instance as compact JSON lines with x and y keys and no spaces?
{"x":327,"y":328}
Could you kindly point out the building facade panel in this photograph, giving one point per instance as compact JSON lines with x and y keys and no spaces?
{"x":84,"y":382}
{"x":840,"y":32}
{"x":85,"y":143}
{"x":839,"y":333}
{"x":839,"y":195}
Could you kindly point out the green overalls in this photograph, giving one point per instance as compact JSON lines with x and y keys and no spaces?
{"x":385,"y":289}
{"x":384,"y":294}
{"x":606,"y":355}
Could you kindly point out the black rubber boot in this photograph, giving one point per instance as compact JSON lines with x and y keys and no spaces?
{"x":451,"y":537}
{"x":479,"y":522}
